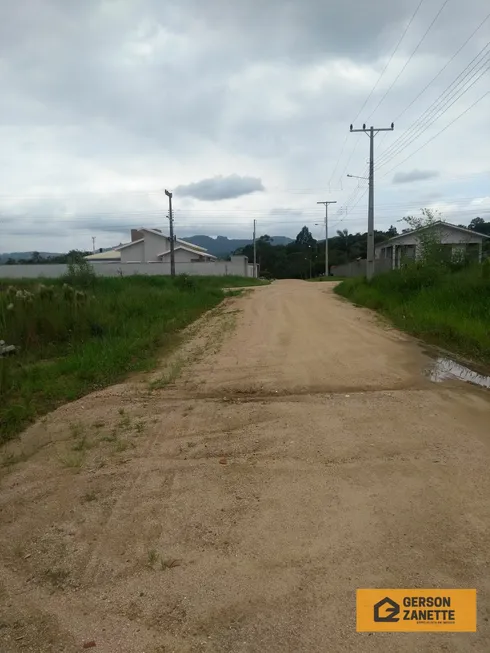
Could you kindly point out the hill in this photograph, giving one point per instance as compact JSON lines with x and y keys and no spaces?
{"x":23,"y":256}
{"x":223,"y":246}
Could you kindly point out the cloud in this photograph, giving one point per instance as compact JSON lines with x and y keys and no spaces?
{"x":414,"y":175}
{"x":103,"y":101}
{"x":220,"y":188}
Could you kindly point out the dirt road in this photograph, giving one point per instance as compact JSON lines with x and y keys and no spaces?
{"x":292,"y":452}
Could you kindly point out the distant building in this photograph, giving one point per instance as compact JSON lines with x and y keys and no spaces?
{"x":458,"y":241}
{"x":152,"y":246}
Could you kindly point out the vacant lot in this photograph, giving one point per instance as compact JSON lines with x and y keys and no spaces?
{"x":77,"y":335}
{"x":233,"y":501}
{"x":445,"y":307}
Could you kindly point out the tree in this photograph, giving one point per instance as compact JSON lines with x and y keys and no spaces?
{"x":344,"y":239}
{"x":265,"y":239}
{"x":429,"y":249}
{"x":479,"y":224}
{"x":305,"y":239}
{"x":392,"y":232}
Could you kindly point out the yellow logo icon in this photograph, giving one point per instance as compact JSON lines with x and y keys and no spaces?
{"x":414,"y":610}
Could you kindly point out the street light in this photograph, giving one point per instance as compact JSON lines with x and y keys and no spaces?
{"x":171,"y":222}
{"x":356,"y":177}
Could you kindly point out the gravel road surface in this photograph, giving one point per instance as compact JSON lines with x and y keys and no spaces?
{"x":292,"y":451}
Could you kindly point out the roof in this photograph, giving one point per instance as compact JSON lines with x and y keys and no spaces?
{"x":430,"y":226}
{"x":109,"y":255}
{"x":191,"y":249}
{"x":162,"y":235}
{"x":133,"y":242}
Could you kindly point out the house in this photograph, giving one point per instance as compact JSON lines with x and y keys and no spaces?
{"x":456,"y":240}
{"x":153,"y":246}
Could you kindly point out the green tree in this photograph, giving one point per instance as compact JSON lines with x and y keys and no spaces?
{"x":304,"y":238}
{"x":479,"y":224}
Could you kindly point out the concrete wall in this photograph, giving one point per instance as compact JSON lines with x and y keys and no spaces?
{"x":134,"y":253}
{"x":155,"y":245}
{"x":358,"y":268}
{"x":237,"y":266}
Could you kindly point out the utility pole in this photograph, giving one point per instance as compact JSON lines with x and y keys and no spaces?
{"x":172,"y":241}
{"x":371,"y":132}
{"x":93,"y":244}
{"x":326,"y":235}
{"x":255,"y":253}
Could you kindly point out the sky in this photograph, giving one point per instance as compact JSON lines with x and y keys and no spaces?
{"x":242,"y":110}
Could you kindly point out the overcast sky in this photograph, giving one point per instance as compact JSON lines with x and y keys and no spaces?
{"x":242,"y":109}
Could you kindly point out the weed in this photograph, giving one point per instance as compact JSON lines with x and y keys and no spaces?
{"x":121,"y":411}
{"x":99,"y":424}
{"x":122,"y":445}
{"x":139,"y":427}
{"x":72,"y":460}
{"x":77,"y":429}
{"x":125,"y":422}
{"x":82,"y":445}
{"x":169,"y":376}
{"x":71,"y":343}
{"x":110,"y":437}
{"x":152,"y":558}
{"x":447,"y":308}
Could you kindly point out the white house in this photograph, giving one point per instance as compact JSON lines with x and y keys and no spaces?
{"x":458,"y":240}
{"x":153,"y":246}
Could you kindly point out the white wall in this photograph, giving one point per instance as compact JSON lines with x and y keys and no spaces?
{"x":134,"y":253}
{"x":183,"y":256}
{"x":238,"y":266}
{"x":154,"y":245}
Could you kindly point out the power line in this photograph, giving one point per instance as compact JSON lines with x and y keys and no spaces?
{"x":440,"y":104}
{"x":424,"y":127}
{"x":409,"y":58}
{"x":468,"y":39}
{"x":373,"y":89}
{"x":439,"y":132}
{"x":443,"y":68}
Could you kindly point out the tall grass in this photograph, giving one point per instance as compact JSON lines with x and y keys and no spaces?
{"x":71,"y":341}
{"x":447,"y":307}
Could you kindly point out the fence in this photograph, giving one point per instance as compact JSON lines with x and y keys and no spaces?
{"x":238,"y":266}
{"x":358,"y":268}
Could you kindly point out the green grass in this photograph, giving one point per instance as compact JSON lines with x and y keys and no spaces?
{"x":446,"y":308}
{"x":73,"y":341}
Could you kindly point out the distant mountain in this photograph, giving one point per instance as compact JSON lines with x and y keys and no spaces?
{"x":223,"y":246}
{"x":22,"y":256}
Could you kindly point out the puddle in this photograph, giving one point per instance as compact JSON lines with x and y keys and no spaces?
{"x":445,"y":369}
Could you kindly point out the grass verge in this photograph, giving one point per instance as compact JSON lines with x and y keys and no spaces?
{"x":71,"y":341}
{"x":446,"y":308}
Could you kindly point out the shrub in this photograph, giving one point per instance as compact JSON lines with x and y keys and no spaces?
{"x":80,"y":273}
{"x":185,"y":282}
